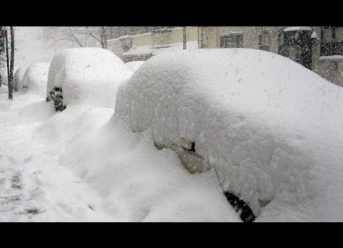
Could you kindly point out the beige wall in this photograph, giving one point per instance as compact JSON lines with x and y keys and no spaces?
{"x":175,"y":36}
{"x":142,"y":40}
{"x":211,"y":36}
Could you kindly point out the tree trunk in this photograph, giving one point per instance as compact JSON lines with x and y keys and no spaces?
{"x":104,"y":37}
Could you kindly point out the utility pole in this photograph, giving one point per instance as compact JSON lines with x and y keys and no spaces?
{"x":184,"y":38}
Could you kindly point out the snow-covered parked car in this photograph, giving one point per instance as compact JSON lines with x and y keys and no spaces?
{"x":36,"y":77}
{"x":85,"y":75}
{"x":18,"y":77}
{"x":270,"y":128}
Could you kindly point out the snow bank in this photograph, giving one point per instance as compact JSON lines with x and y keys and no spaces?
{"x":135,"y":181}
{"x":134,"y":65}
{"x":88,"y":75}
{"x":18,"y":77}
{"x":36,"y":77}
{"x":271,"y":128}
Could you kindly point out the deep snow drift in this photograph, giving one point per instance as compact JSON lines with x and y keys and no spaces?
{"x":36,"y":77}
{"x":135,"y":181}
{"x":271,"y":128}
{"x":87,"y":75}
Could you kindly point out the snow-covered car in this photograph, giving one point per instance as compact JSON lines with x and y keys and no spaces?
{"x":85,"y":75}
{"x":270,"y":128}
{"x":36,"y":77}
{"x":18,"y":77}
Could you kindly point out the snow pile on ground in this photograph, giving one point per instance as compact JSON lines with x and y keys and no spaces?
{"x":36,"y":77}
{"x":271,"y":128}
{"x":134,"y":65}
{"x":135,"y":181}
{"x":87,"y":75}
{"x":18,"y":77}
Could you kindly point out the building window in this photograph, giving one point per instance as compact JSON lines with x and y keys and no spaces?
{"x":231,"y":41}
{"x":331,"y":41}
{"x":264,"y":41}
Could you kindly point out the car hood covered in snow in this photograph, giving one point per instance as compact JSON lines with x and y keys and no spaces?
{"x":271,"y":128}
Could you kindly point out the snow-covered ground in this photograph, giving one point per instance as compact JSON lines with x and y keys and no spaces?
{"x":33,"y":187}
{"x":82,"y":165}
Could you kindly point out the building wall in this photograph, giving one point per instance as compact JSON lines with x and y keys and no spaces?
{"x":330,"y":68}
{"x":174,"y":36}
{"x":142,"y":40}
{"x":209,"y":37}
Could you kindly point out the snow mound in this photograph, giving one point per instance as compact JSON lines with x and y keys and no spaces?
{"x":87,"y":75}
{"x":134,"y":65}
{"x":36,"y":77}
{"x":18,"y":77}
{"x":270,"y":127}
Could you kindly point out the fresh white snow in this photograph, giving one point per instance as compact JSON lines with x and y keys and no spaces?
{"x":271,"y":128}
{"x":134,"y":65}
{"x":33,"y":186}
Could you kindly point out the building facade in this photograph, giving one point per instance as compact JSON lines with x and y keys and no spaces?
{"x":317,"y":48}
